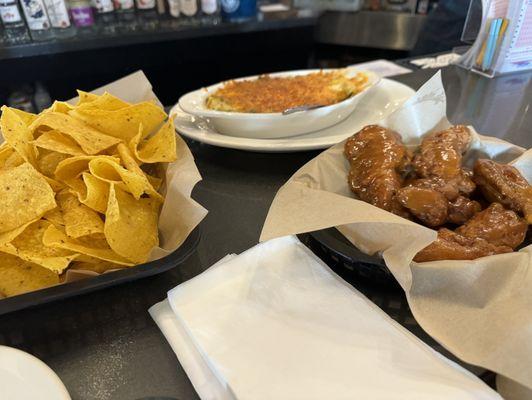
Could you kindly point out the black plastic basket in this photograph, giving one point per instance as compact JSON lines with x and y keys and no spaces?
{"x":76,"y":288}
{"x":356,"y":264}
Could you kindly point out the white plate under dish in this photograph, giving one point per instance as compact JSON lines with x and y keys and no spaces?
{"x":386,"y":97}
{"x":275,"y":125}
{"x":24,"y":377}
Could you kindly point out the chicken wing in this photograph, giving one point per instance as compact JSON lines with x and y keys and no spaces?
{"x":428,"y":200}
{"x":377,"y":157}
{"x":504,"y":184}
{"x":452,"y":246}
{"x":496,"y":225}
{"x":462,"y":209}
{"x":427,"y":205}
{"x":440,"y":156}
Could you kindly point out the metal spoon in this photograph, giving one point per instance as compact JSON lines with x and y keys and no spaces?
{"x":305,"y":107}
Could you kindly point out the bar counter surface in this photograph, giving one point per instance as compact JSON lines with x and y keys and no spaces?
{"x":104,"y":345}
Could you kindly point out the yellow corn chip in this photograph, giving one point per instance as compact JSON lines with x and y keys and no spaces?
{"x":85,"y":97}
{"x":9,"y":158}
{"x":17,"y":134}
{"x":106,"y":102}
{"x":154,"y":181}
{"x":59,"y":106}
{"x":123,"y":123}
{"x":55,"y":185}
{"x":56,"y":141}
{"x":29,"y":247}
{"x":55,"y":217}
{"x":5,"y":152}
{"x":73,"y":167}
{"x":19,"y":276}
{"x":8,"y":236}
{"x":97,"y":266}
{"x":26,"y":117}
{"x":161,"y":147}
{"x":89,"y":139}
{"x":48,"y":161}
{"x":131,"y":225}
{"x":25,"y":196}
{"x":79,"y":219}
{"x":109,"y":171}
{"x":129,"y":162}
{"x":96,"y":193}
{"x":87,"y":245}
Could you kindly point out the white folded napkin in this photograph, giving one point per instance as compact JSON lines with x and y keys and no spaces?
{"x":276,"y":323}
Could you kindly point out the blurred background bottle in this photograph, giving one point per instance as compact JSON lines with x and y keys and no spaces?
{"x":22,"y":99}
{"x":82,"y":16}
{"x":238,"y":10}
{"x":147,"y":13}
{"x":41,"y":97}
{"x":210,"y":12}
{"x":59,"y":18}
{"x":37,"y":20}
{"x":189,"y":11}
{"x":105,"y":16}
{"x":15,"y":31}
{"x":125,"y":14}
{"x":173,"y":8}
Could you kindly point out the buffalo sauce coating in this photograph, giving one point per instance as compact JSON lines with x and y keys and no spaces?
{"x":440,"y":156}
{"x":377,"y":156}
{"x":504,"y":184}
{"x":497,"y":225}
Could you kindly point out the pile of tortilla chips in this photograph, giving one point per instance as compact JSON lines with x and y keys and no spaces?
{"x":80,"y":188}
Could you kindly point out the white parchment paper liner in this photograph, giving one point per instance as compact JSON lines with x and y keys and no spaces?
{"x":480,"y":310}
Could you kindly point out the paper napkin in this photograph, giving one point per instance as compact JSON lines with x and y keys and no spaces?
{"x":276,"y":323}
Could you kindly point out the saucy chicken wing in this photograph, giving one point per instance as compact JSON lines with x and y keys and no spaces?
{"x":377,"y":157}
{"x":427,"y":205}
{"x":462,"y":209}
{"x":452,"y":246}
{"x":504,"y":184}
{"x":429,"y":201}
{"x":440,"y":157}
{"x":497,"y":225}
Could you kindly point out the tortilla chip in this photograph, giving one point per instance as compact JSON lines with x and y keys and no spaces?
{"x":48,"y":161}
{"x":59,"y":106}
{"x":161,"y":147}
{"x":89,"y":139}
{"x":17,"y":134}
{"x":5,"y":152}
{"x":96,"y":193}
{"x":19,"y":276}
{"x":98,"y":266}
{"x":29,"y":247}
{"x":123,"y":123}
{"x":79,"y":219}
{"x":55,"y":185}
{"x":55,"y":217}
{"x":106,"y":102}
{"x":86,"y":245}
{"x":26,"y":196}
{"x":9,"y":158}
{"x":85,"y":97}
{"x":154,"y":181}
{"x":73,"y":167}
{"x":8,"y":236}
{"x":136,"y":183}
{"x":131,"y":225}
{"x":26,"y":117}
{"x":56,"y":141}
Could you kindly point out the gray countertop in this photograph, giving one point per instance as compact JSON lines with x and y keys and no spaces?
{"x":104,"y":345}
